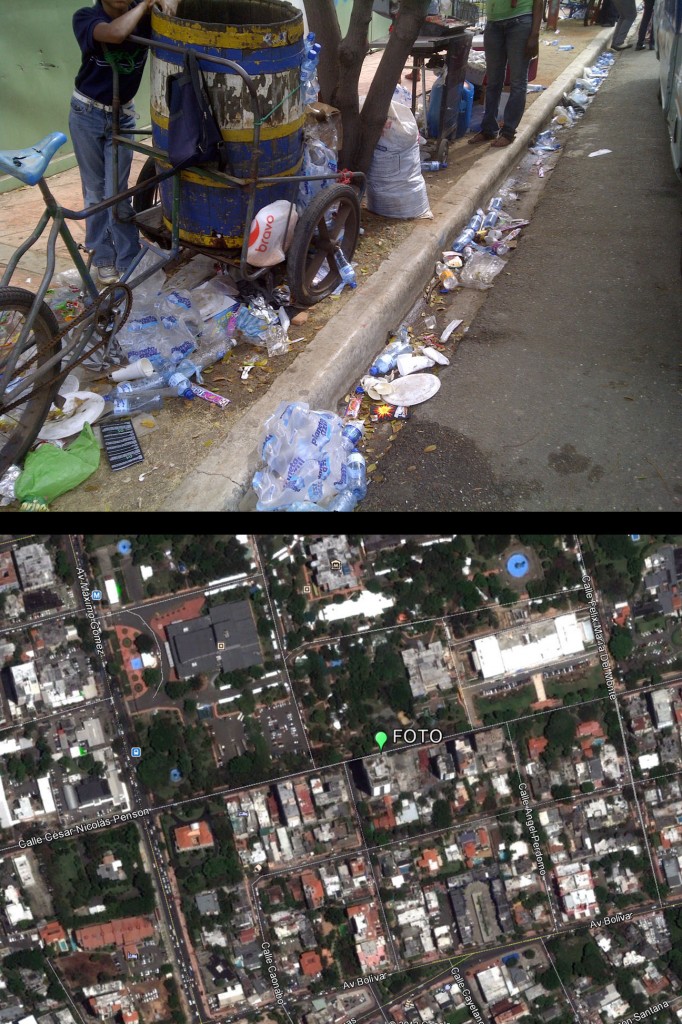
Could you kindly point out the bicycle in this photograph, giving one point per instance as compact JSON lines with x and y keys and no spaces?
{"x":36,"y":353}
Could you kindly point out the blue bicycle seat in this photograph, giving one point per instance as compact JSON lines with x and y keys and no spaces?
{"x":29,"y":165}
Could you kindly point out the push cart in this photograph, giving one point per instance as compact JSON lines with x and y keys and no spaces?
{"x":204,"y":209}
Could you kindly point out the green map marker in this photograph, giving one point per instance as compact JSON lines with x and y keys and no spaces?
{"x":381,"y":738}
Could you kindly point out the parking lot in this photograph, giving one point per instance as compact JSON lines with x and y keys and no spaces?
{"x":230,"y":736}
{"x":281,"y":728}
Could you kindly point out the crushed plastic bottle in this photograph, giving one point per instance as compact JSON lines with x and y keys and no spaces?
{"x":434,"y":165}
{"x":124,"y":405}
{"x":387,"y":360}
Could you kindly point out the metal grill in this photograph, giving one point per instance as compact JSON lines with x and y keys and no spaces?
{"x":471,"y":11}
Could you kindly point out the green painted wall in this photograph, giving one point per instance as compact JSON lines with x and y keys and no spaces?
{"x":39,"y":58}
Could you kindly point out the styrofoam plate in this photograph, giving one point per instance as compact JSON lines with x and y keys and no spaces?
{"x":80,"y":407}
{"x":413,"y":389}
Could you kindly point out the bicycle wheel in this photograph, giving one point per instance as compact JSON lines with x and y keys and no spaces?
{"x":20,"y":425}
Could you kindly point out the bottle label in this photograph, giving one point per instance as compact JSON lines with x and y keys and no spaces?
{"x":293,"y":480}
{"x":322,"y":433}
{"x":125,"y":388}
{"x":120,"y":405}
{"x":180,"y":300}
{"x":143,"y":323}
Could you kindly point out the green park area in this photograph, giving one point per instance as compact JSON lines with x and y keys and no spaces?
{"x":169,"y":745}
{"x":72,"y":866}
{"x":512,"y":704}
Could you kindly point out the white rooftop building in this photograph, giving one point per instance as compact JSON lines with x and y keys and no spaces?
{"x":34,"y":566}
{"x":529,"y":646}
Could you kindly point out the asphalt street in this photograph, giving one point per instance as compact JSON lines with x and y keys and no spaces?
{"x":565,"y":393}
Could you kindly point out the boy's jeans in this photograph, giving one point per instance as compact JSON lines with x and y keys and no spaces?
{"x":115,"y":242}
{"x":505,"y":41}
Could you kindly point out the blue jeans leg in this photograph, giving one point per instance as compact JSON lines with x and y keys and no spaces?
{"x":505,"y":42}
{"x":115,"y":243}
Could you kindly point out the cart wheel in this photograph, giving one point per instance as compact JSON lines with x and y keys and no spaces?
{"x":147,"y":199}
{"x":330,"y":221}
{"x":441,"y":154}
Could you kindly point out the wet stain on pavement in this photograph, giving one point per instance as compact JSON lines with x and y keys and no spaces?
{"x":568,"y":460}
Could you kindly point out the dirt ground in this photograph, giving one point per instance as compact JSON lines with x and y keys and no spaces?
{"x":81,"y":969}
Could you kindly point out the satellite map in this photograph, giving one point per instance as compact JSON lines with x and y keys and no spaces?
{"x":341,"y":779}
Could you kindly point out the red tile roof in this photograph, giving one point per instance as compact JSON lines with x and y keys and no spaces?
{"x":122,"y":932}
{"x":194,"y":836}
{"x":310,"y":963}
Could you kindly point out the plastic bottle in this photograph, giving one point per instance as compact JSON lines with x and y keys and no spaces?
{"x":476,"y":221}
{"x":345,"y":501}
{"x":387,"y":360}
{"x":178,"y":303}
{"x":131,"y":387}
{"x":463,"y":239}
{"x":345,"y":269}
{"x":310,"y":86}
{"x":351,"y":434}
{"x":356,"y":474}
{"x":200,"y":360}
{"x":123,"y":405}
{"x":434,"y":165}
{"x":447,"y":277}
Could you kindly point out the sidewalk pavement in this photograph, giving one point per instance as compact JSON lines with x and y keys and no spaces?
{"x":347,"y":342}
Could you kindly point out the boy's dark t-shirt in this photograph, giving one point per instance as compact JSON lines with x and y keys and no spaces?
{"x":95,"y":76}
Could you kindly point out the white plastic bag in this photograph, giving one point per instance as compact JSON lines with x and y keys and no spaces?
{"x":267,"y":242}
{"x":395,"y":183}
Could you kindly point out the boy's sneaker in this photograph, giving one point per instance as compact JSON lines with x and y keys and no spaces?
{"x":107,"y":274}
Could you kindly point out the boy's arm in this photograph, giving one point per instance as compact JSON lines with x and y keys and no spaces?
{"x":120,"y":28}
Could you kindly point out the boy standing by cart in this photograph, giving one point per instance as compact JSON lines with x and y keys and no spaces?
{"x":102,"y":33}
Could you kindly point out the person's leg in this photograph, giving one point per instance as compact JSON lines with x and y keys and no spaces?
{"x":123,"y":230}
{"x":495,"y":66}
{"x":644,"y":23}
{"x":517,"y":33}
{"x":87,"y":126}
{"x":627,"y":13}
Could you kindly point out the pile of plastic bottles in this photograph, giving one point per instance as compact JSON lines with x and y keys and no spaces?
{"x":171,"y":377}
{"x":311,"y":462}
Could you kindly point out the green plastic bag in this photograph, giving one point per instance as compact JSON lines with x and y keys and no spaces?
{"x":50,"y":471}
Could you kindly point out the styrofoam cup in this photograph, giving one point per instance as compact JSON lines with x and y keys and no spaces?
{"x":140,"y":368}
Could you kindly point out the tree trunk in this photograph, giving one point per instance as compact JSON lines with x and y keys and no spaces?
{"x":341,"y":64}
{"x":322,"y":20}
{"x":376,"y":106}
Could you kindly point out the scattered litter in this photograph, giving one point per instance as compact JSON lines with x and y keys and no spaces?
{"x":436,"y":356}
{"x":121,"y":444}
{"x":413,"y":390}
{"x":452,"y":326}
{"x":79,"y":407}
{"x":50,"y":471}
{"x":600,"y":152}
{"x":385,"y":411}
{"x":481,"y":270}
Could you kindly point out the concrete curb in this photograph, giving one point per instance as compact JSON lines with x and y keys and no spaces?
{"x":348,"y":343}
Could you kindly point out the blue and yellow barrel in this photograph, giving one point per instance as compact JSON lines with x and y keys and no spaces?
{"x":265,"y":37}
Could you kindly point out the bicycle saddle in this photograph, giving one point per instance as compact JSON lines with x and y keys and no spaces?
{"x":29,"y":165}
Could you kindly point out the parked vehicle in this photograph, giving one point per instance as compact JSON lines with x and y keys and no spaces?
{"x":668,"y":38}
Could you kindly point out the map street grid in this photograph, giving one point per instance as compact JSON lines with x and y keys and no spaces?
{"x":311,"y":968}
